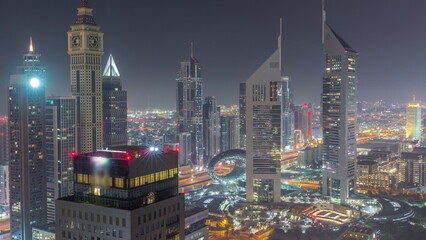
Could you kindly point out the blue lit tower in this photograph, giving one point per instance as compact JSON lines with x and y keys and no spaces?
{"x":189,"y":107}
{"x":287,"y":117}
{"x":26,"y":108}
{"x":339,"y":116}
{"x":114,"y":107}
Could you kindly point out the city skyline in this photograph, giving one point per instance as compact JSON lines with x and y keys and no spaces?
{"x":145,"y":68}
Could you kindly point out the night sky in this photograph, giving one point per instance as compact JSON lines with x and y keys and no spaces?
{"x":149,"y":38}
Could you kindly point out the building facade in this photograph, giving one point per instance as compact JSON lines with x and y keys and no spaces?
{"x":114,"y":107}
{"x":287,"y":117}
{"x":242,"y":113}
{"x":263,"y":125}
{"x":185,"y":148}
{"x":189,"y":106}
{"x":303,"y":122}
{"x":26,"y":107}
{"x":123,"y":193}
{"x":85,"y":47}
{"x":195,"y":223}
{"x":61,"y":143}
{"x":229,"y":133}
{"x":339,"y":116}
{"x":211,"y":129}
{"x":4,"y":164}
{"x":414,"y":121}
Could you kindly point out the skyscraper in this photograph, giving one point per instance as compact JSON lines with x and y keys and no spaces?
{"x":229,"y":133}
{"x":211,"y":128}
{"x":4,"y":141}
{"x":61,"y":143}
{"x":4,"y":164}
{"x":123,"y":193}
{"x":185,"y":146}
{"x":114,"y":107}
{"x":303,"y":122}
{"x":413,"y":121}
{"x":339,"y":116}
{"x":27,"y":146}
{"x":263,"y":123}
{"x":287,"y":117}
{"x":189,"y":106}
{"x":242,"y":112}
{"x":85,"y":47}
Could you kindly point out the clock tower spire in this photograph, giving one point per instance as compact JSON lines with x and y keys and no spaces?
{"x":85,"y":48}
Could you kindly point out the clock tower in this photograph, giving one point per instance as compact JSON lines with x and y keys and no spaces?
{"x":85,"y":47}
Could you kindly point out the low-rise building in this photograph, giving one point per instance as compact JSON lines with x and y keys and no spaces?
{"x":360,"y":233}
{"x":195,"y":224}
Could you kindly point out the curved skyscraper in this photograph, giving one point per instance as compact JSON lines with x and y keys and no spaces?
{"x":339,"y":116}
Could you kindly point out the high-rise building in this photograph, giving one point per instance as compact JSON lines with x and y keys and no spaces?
{"x":414,"y":121}
{"x":114,"y":107}
{"x":189,"y":106}
{"x":310,"y":157}
{"x":61,"y":142}
{"x":229,"y":133}
{"x":85,"y":47}
{"x":303,"y":122}
{"x":27,"y":146}
{"x":242,"y":113}
{"x":185,"y":146}
{"x":287,"y":115}
{"x":415,"y":167}
{"x":211,"y":128}
{"x":123,"y":193}
{"x":4,"y":141}
{"x":263,"y":123}
{"x":4,"y":164}
{"x":339,"y":116}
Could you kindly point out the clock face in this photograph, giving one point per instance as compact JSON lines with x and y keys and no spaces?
{"x":75,"y":41}
{"x":93,"y":41}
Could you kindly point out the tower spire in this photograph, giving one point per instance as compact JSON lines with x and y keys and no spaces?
{"x":192,"y":50}
{"x":111,"y":69}
{"x":84,"y":3}
{"x":324,"y":18}
{"x":31,"y":44}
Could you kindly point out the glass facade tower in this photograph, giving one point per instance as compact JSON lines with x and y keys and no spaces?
{"x":263,"y":129}
{"x":114,"y":107}
{"x":414,"y":121}
{"x":61,"y":141}
{"x":339,"y":117}
{"x":189,"y":108}
{"x":26,"y":109}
